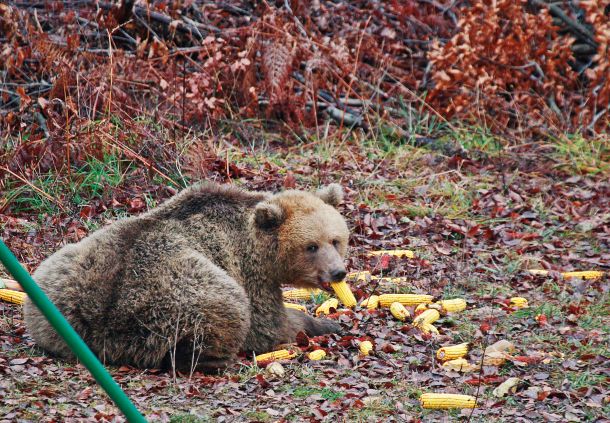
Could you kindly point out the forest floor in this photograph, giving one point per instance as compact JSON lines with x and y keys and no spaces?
{"x":106,"y":113}
{"x":476,"y":222}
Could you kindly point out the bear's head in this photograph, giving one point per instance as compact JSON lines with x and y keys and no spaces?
{"x":311,"y":235}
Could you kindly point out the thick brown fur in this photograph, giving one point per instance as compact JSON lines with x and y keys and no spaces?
{"x":197,"y":279}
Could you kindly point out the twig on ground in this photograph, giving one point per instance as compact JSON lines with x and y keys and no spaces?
{"x":579,"y":30}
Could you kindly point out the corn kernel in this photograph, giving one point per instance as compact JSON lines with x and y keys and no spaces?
{"x":452,"y":352}
{"x":371,"y":303}
{"x":316,"y":355}
{"x":326,"y":306}
{"x":454,"y":305}
{"x":274,"y":356}
{"x":445,"y":401}
{"x":399,"y":311}
{"x":405,"y":299}
{"x":344,"y":293}
{"x":300,"y":294}
{"x":11,"y":296}
{"x":428,"y":328}
{"x":366,"y":347}
{"x":519,"y":302}
{"x":427,"y":317}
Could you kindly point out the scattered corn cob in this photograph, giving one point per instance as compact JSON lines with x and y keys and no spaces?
{"x":399,"y":311}
{"x":296,"y":307}
{"x":396,"y":253}
{"x":585,"y":274}
{"x":316,"y":355}
{"x":405,"y":299}
{"x":300,"y":294}
{"x":429,"y":328}
{"x":421,"y":307}
{"x":366,"y":347}
{"x":432,"y":400}
{"x":274,"y":356}
{"x":11,"y":296}
{"x":454,"y":305}
{"x":344,"y":293}
{"x":325,"y":307}
{"x":427,"y":317}
{"x":518,"y":302}
{"x":371,"y":303}
{"x":509,"y":386}
{"x":452,"y":352}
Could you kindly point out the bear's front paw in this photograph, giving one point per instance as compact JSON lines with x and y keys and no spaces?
{"x":325,"y":326}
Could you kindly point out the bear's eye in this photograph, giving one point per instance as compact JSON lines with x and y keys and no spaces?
{"x":312,"y":248}
{"x":336,"y":243}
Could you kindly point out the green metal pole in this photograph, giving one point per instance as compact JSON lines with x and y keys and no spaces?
{"x":76,"y":344}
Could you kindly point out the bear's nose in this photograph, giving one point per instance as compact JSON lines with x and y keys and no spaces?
{"x":338,"y":275}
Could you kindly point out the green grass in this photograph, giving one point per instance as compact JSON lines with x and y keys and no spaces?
{"x":326,"y":393}
{"x":583,"y":155}
{"x":189,"y":418}
{"x":79,"y":187}
{"x":479,"y":139}
{"x":259,"y":416}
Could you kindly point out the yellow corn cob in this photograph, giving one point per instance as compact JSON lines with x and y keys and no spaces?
{"x":519,"y":302}
{"x":429,"y":328}
{"x":396,"y":253}
{"x":432,"y":400}
{"x":371,"y":303}
{"x":344,"y":293}
{"x":325,"y":307}
{"x":405,"y":299}
{"x":11,"y":296}
{"x":452,"y":352}
{"x":454,"y":305}
{"x":585,"y":274}
{"x":275,"y":356}
{"x":358,"y":276}
{"x":296,"y":307}
{"x":399,"y":311}
{"x":366,"y":347}
{"x":300,"y":294}
{"x":427,"y":317}
{"x":316,"y":355}
{"x":421,"y":307}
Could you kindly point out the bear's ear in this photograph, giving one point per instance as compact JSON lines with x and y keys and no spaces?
{"x":268,"y":215}
{"x":331,"y":194}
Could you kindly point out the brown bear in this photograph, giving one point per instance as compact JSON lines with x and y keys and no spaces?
{"x":197,"y":279}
